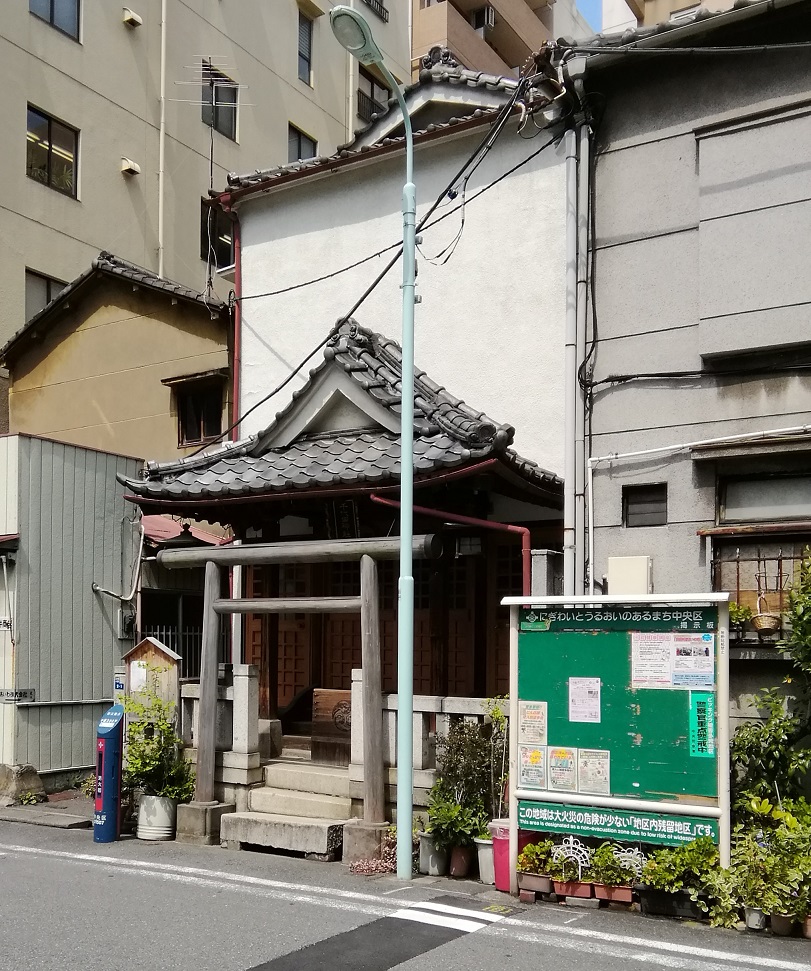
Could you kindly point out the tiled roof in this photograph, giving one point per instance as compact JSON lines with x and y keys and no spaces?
{"x":106,"y":264}
{"x":443,"y":72}
{"x":447,"y":434}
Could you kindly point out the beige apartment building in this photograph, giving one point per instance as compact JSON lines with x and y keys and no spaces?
{"x":622,"y":14}
{"x":118,"y":118}
{"x":497,"y":36}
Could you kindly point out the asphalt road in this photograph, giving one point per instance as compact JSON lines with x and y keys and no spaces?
{"x":66,"y":902}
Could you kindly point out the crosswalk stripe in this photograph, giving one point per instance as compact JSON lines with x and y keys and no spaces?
{"x":439,"y":920}
{"x":459,"y":911}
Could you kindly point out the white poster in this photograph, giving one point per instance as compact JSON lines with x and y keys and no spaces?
{"x":693,"y":660}
{"x":584,"y":700}
{"x":594,"y":771}
{"x":532,"y":722}
{"x":138,"y":672}
{"x":532,"y":767}
{"x":562,"y":769}
{"x":650,"y":659}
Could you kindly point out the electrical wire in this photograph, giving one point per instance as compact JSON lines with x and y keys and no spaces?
{"x":743,"y":49}
{"x":691,"y":375}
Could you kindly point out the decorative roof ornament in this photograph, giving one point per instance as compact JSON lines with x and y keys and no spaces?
{"x":439,"y":55}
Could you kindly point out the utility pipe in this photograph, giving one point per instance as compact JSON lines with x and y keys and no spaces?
{"x":583,"y":210}
{"x":570,"y":367}
{"x":640,"y":453}
{"x":162,"y":143}
{"x":452,"y":517}
{"x":236,"y":365}
{"x":128,"y":597}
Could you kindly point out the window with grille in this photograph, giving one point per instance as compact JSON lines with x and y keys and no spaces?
{"x":216,"y":235}
{"x":305,"y":48}
{"x":299,"y":145}
{"x":644,"y":505}
{"x":51,"y":152}
{"x":62,"y":14}
{"x":219,"y":96}
{"x":373,"y":96}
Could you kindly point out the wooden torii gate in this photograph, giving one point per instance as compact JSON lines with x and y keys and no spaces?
{"x":368,"y":551}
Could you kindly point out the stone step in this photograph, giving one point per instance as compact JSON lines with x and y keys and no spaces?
{"x":318,"y":837}
{"x":296,"y":747}
{"x":283,"y":802}
{"x":328,"y":780}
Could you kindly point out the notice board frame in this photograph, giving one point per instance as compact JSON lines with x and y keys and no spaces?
{"x":719,"y":812}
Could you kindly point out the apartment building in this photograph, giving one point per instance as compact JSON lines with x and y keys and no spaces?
{"x":118,"y":119}
{"x":495,"y":37}
{"x":621,"y":14}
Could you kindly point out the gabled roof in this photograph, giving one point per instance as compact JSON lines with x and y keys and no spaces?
{"x":107,"y":266}
{"x":448,"y":434}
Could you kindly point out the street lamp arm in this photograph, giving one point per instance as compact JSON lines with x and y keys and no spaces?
{"x":409,"y":136}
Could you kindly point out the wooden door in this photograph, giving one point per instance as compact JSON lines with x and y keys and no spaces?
{"x":294,"y":635}
{"x":461,"y":627}
{"x":504,"y":580}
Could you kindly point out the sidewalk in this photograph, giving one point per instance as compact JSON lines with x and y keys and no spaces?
{"x":63,"y":810}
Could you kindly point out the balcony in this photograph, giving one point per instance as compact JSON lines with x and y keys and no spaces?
{"x":367,"y":106}
{"x":379,"y":8}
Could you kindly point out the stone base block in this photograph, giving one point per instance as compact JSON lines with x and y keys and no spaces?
{"x":199,"y":822}
{"x":526,"y":896}
{"x":323,"y":836}
{"x":363,"y":841}
{"x":16,"y":780}
{"x":587,"y":903}
{"x":270,"y":738}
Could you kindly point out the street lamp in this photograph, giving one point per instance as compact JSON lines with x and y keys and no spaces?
{"x":354,"y":34}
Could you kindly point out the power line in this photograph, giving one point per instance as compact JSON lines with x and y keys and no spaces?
{"x":751,"y":49}
{"x":687,"y":375}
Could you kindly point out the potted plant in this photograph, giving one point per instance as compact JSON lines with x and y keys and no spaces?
{"x":534,"y":866}
{"x":739,"y":617}
{"x":767,"y":876}
{"x":567,"y":878}
{"x":612,"y":879}
{"x":673,"y":880}
{"x":155,"y":765}
{"x":802,"y":903}
{"x":483,"y":842}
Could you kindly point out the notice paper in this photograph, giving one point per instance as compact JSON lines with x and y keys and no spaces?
{"x":562,"y":769}
{"x":672,"y":659}
{"x":532,"y":722}
{"x":594,"y":771}
{"x":531,"y":767}
{"x":584,"y":700}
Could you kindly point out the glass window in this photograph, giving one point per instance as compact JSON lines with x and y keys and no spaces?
{"x":51,"y":151}
{"x":373,"y":96}
{"x":216,"y":235}
{"x":644,"y":505}
{"x":199,"y":412}
{"x":39,"y":292}
{"x":305,"y":48}
{"x":220,"y":96}
{"x":766,"y":500}
{"x":299,"y":145}
{"x":62,"y":14}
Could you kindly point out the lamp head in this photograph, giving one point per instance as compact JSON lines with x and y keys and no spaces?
{"x":354,"y":34}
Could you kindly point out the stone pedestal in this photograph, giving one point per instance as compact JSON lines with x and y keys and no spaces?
{"x":199,"y":822}
{"x":16,"y":780}
{"x":363,"y":841}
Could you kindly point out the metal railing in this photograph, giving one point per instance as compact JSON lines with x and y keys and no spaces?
{"x":379,"y":9}
{"x":367,"y":106}
{"x":188,"y":643}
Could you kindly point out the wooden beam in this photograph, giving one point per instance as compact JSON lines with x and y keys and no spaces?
{"x":309,"y":551}
{"x":207,"y":705}
{"x":290,"y":605}
{"x":374,"y":806}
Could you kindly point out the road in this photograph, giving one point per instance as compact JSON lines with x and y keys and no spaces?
{"x":66,"y":902}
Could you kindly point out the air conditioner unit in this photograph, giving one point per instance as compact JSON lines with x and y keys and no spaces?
{"x":484,"y":19}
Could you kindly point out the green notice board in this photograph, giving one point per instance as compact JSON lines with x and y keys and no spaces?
{"x":618,"y":702}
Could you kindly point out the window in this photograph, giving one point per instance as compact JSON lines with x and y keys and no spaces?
{"x":372,"y":96}
{"x":379,"y":8}
{"x":299,"y":145}
{"x":51,"y":151}
{"x":216,"y":235}
{"x":305,"y":48}
{"x":766,"y":500}
{"x":644,"y":505}
{"x":220,"y":97}
{"x":39,"y":292}
{"x":62,"y":14}
{"x":199,"y":411}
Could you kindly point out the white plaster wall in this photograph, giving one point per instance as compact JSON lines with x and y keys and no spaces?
{"x":9,"y":523}
{"x":616,"y":16}
{"x":490,"y":327}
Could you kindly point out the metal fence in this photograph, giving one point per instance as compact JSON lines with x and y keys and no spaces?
{"x":188,"y":643}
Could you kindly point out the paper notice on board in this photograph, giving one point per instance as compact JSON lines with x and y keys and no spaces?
{"x":562,"y":769}
{"x":584,"y":700}
{"x":672,"y":659}
{"x":693,"y":660}
{"x":138,"y":672}
{"x":594,"y":771}
{"x":650,"y":660}
{"x":532,"y":766}
{"x":532,"y":722}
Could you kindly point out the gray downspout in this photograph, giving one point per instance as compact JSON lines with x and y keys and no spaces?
{"x":583,"y":210}
{"x":570,"y":367}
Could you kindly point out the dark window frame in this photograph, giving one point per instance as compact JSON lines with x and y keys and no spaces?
{"x":305,"y":52}
{"x":49,"y":180}
{"x":207,"y":395}
{"x":374,"y":101}
{"x":50,"y":19}
{"x":53,"y":287}
{"x":220,"y":115}
{"x":640,"y":495}
{"x":300,"y":135}
{"x":220,"y":220}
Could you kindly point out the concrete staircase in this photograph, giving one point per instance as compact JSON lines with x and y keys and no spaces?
{"x":302,"y":807}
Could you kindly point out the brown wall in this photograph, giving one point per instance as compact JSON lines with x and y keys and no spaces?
{"x":95,"y":377}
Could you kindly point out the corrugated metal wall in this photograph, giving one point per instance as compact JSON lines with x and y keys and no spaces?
{"x":73,"y":531}
{"x":8,"y":524}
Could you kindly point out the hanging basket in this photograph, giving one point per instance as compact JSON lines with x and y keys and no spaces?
{"x":766,"y":623}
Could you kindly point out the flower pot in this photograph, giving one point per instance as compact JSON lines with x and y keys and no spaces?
{"x":434,"y":862}
{"x":461,"y":860}
{"x":533,"y":881}
{"x":484,"y":851}
{"x":156,"y":818}
{"x":782,"y":924}
{"x":806,"y":926}
{"x":664,"y":904}
{"x":755,"y":919}
{"x":572,"y":888}
{"x":617,"y":895}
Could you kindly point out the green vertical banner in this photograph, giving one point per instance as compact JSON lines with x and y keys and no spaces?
{"x":702,"y":724}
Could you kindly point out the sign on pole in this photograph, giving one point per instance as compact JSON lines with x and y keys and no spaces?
{"x":619,"y":718}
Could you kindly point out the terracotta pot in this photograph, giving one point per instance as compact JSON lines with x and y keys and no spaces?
{"x":782,"y":924}
{"x":617,"y":895}
{"x":461,"y":860}
{"x":572,"y":888}
{"x":533,"y":881}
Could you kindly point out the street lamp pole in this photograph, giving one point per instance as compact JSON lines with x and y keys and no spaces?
{"x":354,"y":34}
